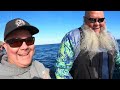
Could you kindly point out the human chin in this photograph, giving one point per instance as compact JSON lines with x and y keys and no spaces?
{"x":25,"y":63}
{"x":25,"y":59}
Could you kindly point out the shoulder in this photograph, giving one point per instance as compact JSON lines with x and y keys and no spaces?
{"x":73,"y":37}
{"x":42,"y":70}
{"x":73,"y":33}
{"x":39,"y":65}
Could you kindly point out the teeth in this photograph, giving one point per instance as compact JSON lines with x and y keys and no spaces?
{"x":23,"y":55}
{"x":95,"y":28}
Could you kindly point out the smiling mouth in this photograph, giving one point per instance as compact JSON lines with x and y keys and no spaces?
{"x":22,"y":54}
{"x":95,"y":28}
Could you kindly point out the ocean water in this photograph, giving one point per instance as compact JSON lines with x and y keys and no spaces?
{"x":47,"y":54}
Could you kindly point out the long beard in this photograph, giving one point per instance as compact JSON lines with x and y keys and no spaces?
{"x":93,"y":42}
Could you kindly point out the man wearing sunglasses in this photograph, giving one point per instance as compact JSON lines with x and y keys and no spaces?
{"x":20,"y":48}
{"x":88,"y":52}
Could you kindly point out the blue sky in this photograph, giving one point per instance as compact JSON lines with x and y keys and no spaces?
{"x":53,"y":25}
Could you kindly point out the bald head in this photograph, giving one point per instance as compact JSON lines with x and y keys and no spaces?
{"x":94,"y":13}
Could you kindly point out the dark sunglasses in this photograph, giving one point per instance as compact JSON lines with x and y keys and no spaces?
{"x":93,"y":20}
{"x":17,"y":42}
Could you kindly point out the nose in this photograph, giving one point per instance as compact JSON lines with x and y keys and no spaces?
{"x":24,"y":45}
{"x":96,"y":23}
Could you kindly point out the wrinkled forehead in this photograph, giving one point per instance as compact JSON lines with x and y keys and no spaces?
{"x":94,"y":14}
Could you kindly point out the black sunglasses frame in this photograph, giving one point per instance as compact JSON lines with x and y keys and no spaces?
{"x":93,"y":20}
{"x":17,"y":42}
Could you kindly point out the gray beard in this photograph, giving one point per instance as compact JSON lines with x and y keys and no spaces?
{"x":94,"y":43}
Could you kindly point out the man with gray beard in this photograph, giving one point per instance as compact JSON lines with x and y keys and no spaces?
{"x":88,"y":52}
